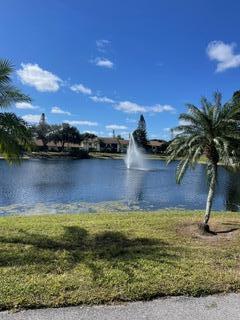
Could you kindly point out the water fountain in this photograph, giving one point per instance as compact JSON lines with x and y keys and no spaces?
{"x":134,"y":158}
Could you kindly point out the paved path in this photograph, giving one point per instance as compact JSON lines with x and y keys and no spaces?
{"x":180,"y":308}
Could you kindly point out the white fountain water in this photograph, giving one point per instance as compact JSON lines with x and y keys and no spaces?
{"x":134,"y":158}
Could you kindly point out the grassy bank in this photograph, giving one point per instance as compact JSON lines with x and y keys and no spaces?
{"x":98,"y":258}
{"x":117,"y":156}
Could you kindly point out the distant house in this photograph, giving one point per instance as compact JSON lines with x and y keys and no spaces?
{"x":109,"y":144}
{"x":113,"y":145}
{"x":90,"y":144}
{"x":157,"y":146}
{"x":123,"y":145}
{"x":95,"y":144}
{"x":104,"y":144}
{"x":52,"y":146}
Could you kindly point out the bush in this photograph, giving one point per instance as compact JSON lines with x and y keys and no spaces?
{"x":78,"y":153}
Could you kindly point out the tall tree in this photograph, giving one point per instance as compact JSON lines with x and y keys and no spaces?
{"x":42,"y":131}
{"x":236,"y":98}
{"x":14,"y":133}
{"x":213,"y":131}
{"x":65,"y":133}
{"x":140,"y":134}
{"x":119,"y":137}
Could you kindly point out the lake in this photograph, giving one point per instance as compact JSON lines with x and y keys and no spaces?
{"x":50,"y":186}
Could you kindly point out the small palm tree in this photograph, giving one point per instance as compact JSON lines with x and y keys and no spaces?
{"x":14,"y":133}
{"x":213,"y":131}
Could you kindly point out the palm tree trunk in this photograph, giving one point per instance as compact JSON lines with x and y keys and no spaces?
{"x":211,"y":192}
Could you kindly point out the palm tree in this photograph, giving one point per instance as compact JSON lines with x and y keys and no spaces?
{"x":14,"y":133}
{"x":211,"y":130}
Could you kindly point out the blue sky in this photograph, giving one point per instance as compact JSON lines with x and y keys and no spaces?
{"x":100,"y":64}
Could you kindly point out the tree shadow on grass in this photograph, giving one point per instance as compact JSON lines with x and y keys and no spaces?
{"x":231,"y":227}
{"x":81,"y":247}
{"x":226,"y":231}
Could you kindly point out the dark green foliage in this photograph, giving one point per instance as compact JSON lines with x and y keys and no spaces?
{"x":211,"y":130}
{"x":119,"y":137}
{"x":87,"y":135}
{"x":14,"y":133}
{"x":9,"y":94}
{"x":65,"y":133}
{"x":236,"y":102}
{"x":162,"y":148}
{"x":140,"y":134}
{"x":236,"y":98}
{"x":15,"y":136}
{"x":42,"y":132}
{"x":78,"y":153}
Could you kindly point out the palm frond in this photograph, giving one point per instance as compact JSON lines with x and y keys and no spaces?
{"x":6,"y":68}
{"x":213,"y":131}
{"x":14,"y":136}
{"x":9,"y":94}
{"x":181,"y":169}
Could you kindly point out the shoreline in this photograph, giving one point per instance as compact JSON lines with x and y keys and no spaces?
{"x":91,"y":155}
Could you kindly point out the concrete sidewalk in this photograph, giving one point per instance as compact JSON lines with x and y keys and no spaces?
{"x":218,"y":307}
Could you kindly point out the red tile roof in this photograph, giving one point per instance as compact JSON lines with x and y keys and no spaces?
{"x":156,"y":143}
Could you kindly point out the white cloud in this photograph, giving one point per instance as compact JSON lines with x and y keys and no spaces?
{"x":102,"y":44}
{"x":81,"y":88}
{"x":130,"y":107}
{"x":25,"y":105}
{"x":103,"y":62}
{"x":180,"y":123}
{"x":224,"y":55}
{"x":42,"y":80}
{"x":82,"y":123}
{"x":102,"y":99}
{"x":167,"y":129}
{"x":32,"y":118}
{"x":58,"y":110}
{"x":115,"y":127}
{"x":153,"y":136}
{"x":129,"y":120}
{"x":158,"y":108}
{"x":125,"y":134}
{"x":183,"y":122}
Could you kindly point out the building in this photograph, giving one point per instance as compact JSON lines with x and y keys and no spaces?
{"x":52,"y":146}
{"x":157,"y":146}
{"x":90,"y":144}
{"x":113,"y":145}
{"x":93,"y":144}
{"x":104,"y":144}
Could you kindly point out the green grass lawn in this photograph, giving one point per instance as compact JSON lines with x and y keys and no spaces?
{"x":64,"y":260}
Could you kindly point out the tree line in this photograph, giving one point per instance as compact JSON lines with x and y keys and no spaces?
{"x":60,"y":134}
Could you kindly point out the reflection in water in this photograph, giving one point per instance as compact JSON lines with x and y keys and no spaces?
{"x":87,"y":185}
{"x":135,"y":185}
{"x":233,"y":193}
